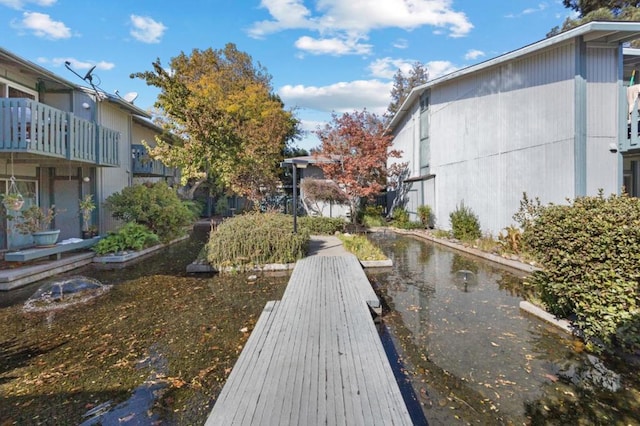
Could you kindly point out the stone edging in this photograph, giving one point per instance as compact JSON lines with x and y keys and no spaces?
{"x":515,"y":264}
{"x":130,"y":255}
{"x":532,"y":309}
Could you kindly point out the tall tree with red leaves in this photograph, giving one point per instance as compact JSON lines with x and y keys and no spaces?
{"x":359,"y":147}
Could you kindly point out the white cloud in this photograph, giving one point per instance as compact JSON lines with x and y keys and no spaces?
{"x":332,"y":46}
{"x":473,"y":54}
{"x":311,"y":125}
{"x":77,"y":64}
{"x":147,"y":30}
{"x":41,"y":25}
{"x":20,"y":4}
{"x":528,"y":11}
{"x":440,"y":68}
{"x":387,"y":67}
{"x":401,"y":43}
{"x":287,"y":14}
{"x":353,"y":20}
{"x":373,"y":95}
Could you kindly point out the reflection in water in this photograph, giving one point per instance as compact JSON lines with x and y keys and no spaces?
{"x":155,"y":349}
{"x":476,"y":358}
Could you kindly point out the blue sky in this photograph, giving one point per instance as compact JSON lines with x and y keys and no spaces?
{"x":325,"y":56}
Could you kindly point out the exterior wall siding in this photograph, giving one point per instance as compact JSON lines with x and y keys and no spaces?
{"x":501,"y":132}
{"x":603,"y":110}
{"x":114,"y":179}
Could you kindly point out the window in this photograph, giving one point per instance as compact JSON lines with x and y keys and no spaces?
{"x":425,"y":153}
{"x":9,"y":89}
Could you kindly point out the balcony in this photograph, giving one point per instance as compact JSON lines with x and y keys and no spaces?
{"x":633,"y":130}
{"x":34,"y":128}
{"x":143,"y":165}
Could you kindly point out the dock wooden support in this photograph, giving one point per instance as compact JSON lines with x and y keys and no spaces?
{"x":315,"y":357}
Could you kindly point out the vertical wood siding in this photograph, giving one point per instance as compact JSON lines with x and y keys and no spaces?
{"x":114,"y":179}
{"x":602,"y":120}
{"x":504,"y":131}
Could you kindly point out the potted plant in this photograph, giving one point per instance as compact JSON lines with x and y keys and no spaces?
{"x":87,"y":206}
{"x":12,"y":201}
{"x":37,"y":221}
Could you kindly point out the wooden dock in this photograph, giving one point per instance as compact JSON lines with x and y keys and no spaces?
{"x":315,"y":356}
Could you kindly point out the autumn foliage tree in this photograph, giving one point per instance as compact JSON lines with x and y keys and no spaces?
{"x":231,"y":127}
{"x":359,"y":147}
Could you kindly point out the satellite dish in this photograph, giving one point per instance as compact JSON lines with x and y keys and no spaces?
{"x":130,"y":97}
{"x":88,"y":77}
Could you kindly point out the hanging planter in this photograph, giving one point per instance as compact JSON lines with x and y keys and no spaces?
{"x":13,"y":202}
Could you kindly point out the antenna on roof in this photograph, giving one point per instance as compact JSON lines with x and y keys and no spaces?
{"x":88,"y":77}
{"x":129,"y":97}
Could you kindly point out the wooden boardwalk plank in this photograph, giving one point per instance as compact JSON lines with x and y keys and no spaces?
{"x":316,"y":357}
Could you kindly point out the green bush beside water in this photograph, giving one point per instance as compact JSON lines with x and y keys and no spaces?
{"x":157,"y":206}
{"x":321,"y":225}
{"x":465,"y":225}
{"x":132,"y":236}
{"x":590,"y":251}
{"x":256,"y":239}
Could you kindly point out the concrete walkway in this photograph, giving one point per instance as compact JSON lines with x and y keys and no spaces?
{"x":326,"y":245}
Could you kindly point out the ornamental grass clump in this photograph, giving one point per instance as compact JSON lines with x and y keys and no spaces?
{"x":361,"y":247}
{"x":590,"y":251}
{"x":254,"y":239}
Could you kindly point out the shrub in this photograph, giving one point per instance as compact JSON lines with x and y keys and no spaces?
{"x":590,"y":250}
{"x":464,"y":224}
{"x":361,"y":247}
{"x":132,"y":236}
{"x":372,"y":216}
{"x":256,"y":239}
{"x":157,"y":206}
{"x":511,"y":240}
{"x":400,"y":217}
{"x":426,"y":216}
{"x":222,"y":206}
{"x":317,"y":225}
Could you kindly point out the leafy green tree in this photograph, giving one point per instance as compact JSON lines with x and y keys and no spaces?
{"x":402,"y":86}
{"x":584,"y":7}
{"x":232,"y":129}
{"x":599,"y":11}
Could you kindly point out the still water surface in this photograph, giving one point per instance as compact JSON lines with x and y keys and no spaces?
{"x":474,"y":357}
{"x":157,"y":347}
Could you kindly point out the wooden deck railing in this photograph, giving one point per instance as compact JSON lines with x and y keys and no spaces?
{"x":144,"y":165}
{"x":35,"y":128}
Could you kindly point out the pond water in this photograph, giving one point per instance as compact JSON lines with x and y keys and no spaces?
{"x":157,"y":346}
{"x":474,"y":357}
{"x":153,"y":349}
